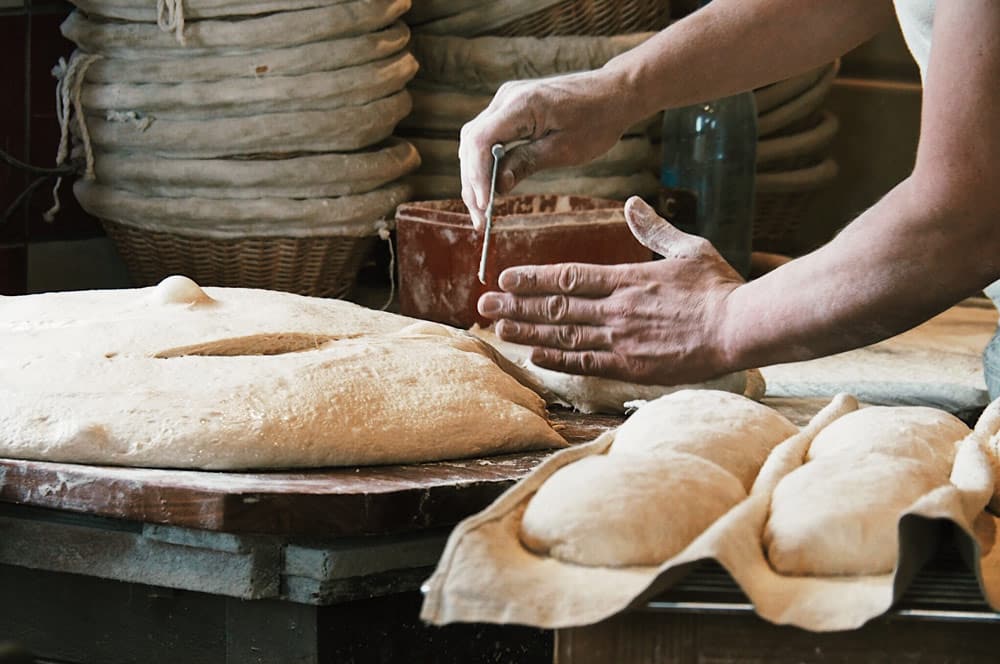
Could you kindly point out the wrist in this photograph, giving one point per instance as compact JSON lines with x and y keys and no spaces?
{"x":623,"y":90}
{"x":728,"y":334}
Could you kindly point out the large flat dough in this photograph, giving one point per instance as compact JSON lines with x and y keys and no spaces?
{"x":219,"y":378}
{"x":618,"y":511}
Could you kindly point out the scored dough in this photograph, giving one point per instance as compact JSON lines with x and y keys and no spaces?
{"x":727,"y":429}
{"x":622,"y":510}
{"x":831,"y":517}
{"x":925,"y":434}
{"x":227,"y":378}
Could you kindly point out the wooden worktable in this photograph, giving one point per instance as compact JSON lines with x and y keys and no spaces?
{"x":310,"y":566}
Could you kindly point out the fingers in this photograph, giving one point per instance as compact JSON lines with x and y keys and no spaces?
{"x":497,"y":124}
{"x":580,"y":279}
{"x":563,"y":337}
{"x":553,"y":309}
{"x":653,"y":231}
{"x":588,"y":362}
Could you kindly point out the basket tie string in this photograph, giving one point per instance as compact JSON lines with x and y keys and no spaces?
{"x":69,"y":88}
{"x":170,"y":17}
{"x":383,"y":233}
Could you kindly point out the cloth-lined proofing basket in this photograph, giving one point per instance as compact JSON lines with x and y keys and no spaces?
{"x":257,"y":64}
{"x":311,"y":247}
{"x":355,"y":85}
{"x":302,"y":175}
{"x":486,"y":575}
{"x":248,"y":146}
{"x":336,"y":130}
{"x":281,"y":30}
{"x":144,"y":11}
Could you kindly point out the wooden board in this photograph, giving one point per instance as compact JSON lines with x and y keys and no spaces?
{"x":330,"y":502}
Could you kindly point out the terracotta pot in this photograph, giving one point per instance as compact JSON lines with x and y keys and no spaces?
{"x":439,"y":249}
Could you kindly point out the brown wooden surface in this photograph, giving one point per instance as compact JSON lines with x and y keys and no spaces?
{"x":330,"y":502}
{"x":688,"y":638}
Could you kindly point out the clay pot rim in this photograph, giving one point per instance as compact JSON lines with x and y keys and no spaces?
{"x":604,"y":211}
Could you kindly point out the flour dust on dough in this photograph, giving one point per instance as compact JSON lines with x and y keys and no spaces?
{"x":225,"y":378}
{"x":592,"y":394}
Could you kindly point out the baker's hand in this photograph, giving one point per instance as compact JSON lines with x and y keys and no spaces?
{"x":569,"y":120}
{"x":657,"y":323}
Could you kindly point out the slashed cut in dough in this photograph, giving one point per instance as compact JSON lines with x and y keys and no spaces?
{"x":675,"y":466}
{"x":727,"y":429}
{"x":838,"y":516}
{"x":838,"y":513}
{"x":616,"y":511}
{"x":225,"y":378}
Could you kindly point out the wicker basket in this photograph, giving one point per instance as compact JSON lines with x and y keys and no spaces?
{"x":780,"y":202}
{"x":317,"y":266}
{"x":590,"y":17}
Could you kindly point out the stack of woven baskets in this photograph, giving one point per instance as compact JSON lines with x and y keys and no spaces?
{"x":793,"y":160}
{"x":468,"y":48}
{"x":250,"y":144}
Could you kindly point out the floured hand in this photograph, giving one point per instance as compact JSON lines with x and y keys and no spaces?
{"x":569,"y":120}
{"x":654,"y":323}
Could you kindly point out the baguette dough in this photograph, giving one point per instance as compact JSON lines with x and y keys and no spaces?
{"x":616,"y":511}
{"x":830,"y":517}
{"x":225,"y":378}
{"x":729,"y":430}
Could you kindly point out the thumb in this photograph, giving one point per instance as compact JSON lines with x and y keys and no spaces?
{"x":652,"y":230}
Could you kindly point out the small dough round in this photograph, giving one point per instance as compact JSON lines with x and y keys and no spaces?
{"x":179,"y":289}
{"x":830,"y":517}
{"x":925,"y":434}
{"x":624,"y":510}
{"x":727,"y":429}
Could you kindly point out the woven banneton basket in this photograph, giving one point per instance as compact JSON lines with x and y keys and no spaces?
{"x":591,"y":17}
{"x":317,"y":266}
{"x":781,"y":201}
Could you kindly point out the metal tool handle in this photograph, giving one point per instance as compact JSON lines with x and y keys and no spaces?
{"x":498,"y":151}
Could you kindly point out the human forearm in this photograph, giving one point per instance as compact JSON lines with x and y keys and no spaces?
{"x":907,"y":258}
{"x":735,"y":45}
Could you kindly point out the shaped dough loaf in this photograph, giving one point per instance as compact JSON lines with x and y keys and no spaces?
{"x":832,"y":517}
{"x":924,"y":434}
{"x":615,"y":511}
{"x":226,"y":378}
{"x":727,"y":429}
{"x":838,"y":513}
{"x":676,"y":465}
